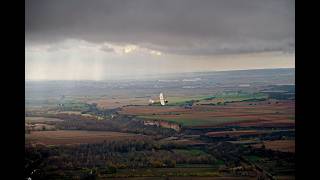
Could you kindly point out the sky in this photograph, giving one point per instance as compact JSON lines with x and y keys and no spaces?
{"x":110,"y":39}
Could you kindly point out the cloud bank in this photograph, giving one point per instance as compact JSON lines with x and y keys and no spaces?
{"x":185,"y":27}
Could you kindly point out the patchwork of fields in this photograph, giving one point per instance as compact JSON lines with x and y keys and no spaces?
{"x":261,"y":113}
{"x":226,"y":131}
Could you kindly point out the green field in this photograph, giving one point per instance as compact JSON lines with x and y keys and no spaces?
{"x":41,"y":119}
{"x":176,"y":101}
{"x":254,"y":158}
{"x":225,"y":97}
{"x":192,"y":152}
{"x":156,"y":172}
{"x":189,"y":122}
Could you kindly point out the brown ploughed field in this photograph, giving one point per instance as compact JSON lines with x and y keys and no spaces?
{"x":279,"y":145}
{"x":64,"y":137}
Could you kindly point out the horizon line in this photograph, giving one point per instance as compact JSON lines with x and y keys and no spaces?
{"x":160,"y":74}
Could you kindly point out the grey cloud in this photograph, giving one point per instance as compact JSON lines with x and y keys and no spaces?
{"x":107,"y":49}
{"x":173,"y":26}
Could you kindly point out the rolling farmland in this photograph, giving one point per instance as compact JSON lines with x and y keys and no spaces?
{"x":223,"y":129}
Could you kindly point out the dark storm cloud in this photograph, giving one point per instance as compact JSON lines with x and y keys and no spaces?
{"x":174,"y":26}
